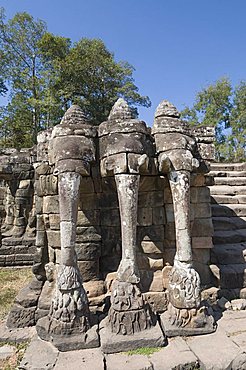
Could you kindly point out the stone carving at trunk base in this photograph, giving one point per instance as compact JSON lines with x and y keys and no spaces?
{"x":130,"y":318}
{"x":68,"y":323}
{"x":69,"y":310}
{"x":129,"y":313}
{"x":176,"y":148}
{"x":185,"y":311}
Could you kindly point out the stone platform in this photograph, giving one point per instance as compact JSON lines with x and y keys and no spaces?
{"x":224,"y":349}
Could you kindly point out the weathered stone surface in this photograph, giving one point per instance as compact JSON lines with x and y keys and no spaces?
{"x":20,"y":317}
{"x":110,"y":217}
{"x":51,"y":204}
{"x":123,"y":143}
{"x":85,"y":359}
{"x":71,"y":342}
{"x":211,"y":353}
{"x":6,"y":351}
{"x":145,"y":216}
{"x":159,"y":216}
{"x":113,"y":164}
{"x":54,"y":238}
{"x":27,"y":297}
{"x":202,"y":227}
{"x":154,"y":233}
{"x":166,"y":275}
{"x":152,"y":247}
{"x":95,"y":288}
{"x":45,"y":298}
{"x":88,"y":217}
{"x":202,"y":242}
{"x":89,"y":270}
{"x":110,"y":279}
{"x":239,"y":363}
{"x":157,"y":300}
{"x":88,"y":234}
{"x":16,"y":335}
{"x":176,"y":355}
{"x":112,"y":343}
{"x":39,"y":355}
{"x":88,"y":251}
{"x":122,"y":361}
{"x":153,"y":262}
{"x":150,"y":199}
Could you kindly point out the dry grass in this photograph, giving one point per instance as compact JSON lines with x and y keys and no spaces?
{"x":11,"y":281}
{"x":13,"y":361}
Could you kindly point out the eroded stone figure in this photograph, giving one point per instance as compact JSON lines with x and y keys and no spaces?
{"x":71,"y":150}
{"x":125,"y":148}
{"x":176,"y":148}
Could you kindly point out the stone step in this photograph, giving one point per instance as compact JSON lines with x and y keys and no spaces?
{"x":228,"y":199}
{"x":227,"y":254}
{"x":233,"y":276}
{"x":227,"y":173}
{"x":227,"y":190}
{"x":229,"y":223}
{"x":232,"y":181}
{"x":229,"y":237}
{"x":228,"y":166}
{"x":228,"y":210}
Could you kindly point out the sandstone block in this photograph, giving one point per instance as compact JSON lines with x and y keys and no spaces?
{"x":151,"y":183}
{"x":153,"y":263}
{"x":145,"y":216}
{"x":110,"y":217}
{"x":51,"y":204}
{"x":113,"y":164}
{"x":202,"y":242}
{"x":202,"y":227}
{"x":111,"y":276}
{"x":151,"y":247}
{"x":150,"y":199}
{"x":169,"y":213}
{"x":88,"y":251}
{"x":20,"y":317}
{"x":201,"y":210}
{"x":165,"y":274}
{"x":157,"y":300}
{"x":89,"y":270}
{"x":88,"y":217}
{"x":88,"y":202}
{"x":158,"y":216}
{"x":86,"y":185}
{"x":88,"y":234}
{"x":54,"y":221}
{"x":95,"y":288}
{"x":151,"y":233}
{"x":54,"y":238}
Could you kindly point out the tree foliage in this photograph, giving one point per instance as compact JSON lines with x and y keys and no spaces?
{"x":44,"y":74}
{"x":223,"y":107}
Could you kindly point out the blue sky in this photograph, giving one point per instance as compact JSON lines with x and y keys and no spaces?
{"x":176,"y":46}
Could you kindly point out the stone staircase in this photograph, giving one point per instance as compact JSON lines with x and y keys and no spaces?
{"x":228,"y":203}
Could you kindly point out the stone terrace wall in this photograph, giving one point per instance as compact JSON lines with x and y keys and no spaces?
{"x":98,"y":236}
{"x":98,"y":239}
{"x":17,"y":211}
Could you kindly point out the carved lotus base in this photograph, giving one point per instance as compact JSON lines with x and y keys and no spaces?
{"x":66,"y":339}
{"x":183,"y":322}
{"x":112,"y":343}
{"x":129,"y":312}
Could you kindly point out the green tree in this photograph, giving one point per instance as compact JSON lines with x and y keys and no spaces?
{"x":22,"y":70}
{"x":223,"y":107}
{"x":45,"y":74}
{"x":87,"y":74}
